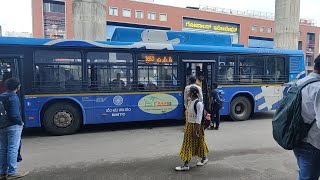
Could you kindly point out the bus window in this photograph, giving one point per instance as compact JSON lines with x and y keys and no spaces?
{"x":109,"y":71}
{"x":251,"y":69}
{"x":58,"y":70}
{"x":226,"y":74}
{"x":275,"y":70}
{"x":157,"y":72}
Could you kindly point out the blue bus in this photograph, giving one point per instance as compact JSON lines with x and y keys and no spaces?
{"x":140,"y":75}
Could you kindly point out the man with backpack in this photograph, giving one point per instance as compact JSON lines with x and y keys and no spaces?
{"x":216,"y":104}
{"x":296,"y":124}
{"x":11,"y":126}
{"x":308,"y":152}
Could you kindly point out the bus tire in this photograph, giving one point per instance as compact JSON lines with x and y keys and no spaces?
{"x":62,"y":118}
{"x":241,"y":108}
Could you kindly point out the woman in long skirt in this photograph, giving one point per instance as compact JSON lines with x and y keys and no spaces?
{"x":194,"y":141}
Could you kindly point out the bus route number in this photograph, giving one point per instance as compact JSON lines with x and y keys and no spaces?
{"x":158,"y":59}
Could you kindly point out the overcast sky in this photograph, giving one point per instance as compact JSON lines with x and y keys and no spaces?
{"x":15,"y":15}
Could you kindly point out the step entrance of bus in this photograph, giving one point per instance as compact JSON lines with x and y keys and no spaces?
{"x":205,"y":72}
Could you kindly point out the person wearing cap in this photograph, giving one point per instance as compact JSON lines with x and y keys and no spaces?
{"x":194,"y":141}
{"x":308,"y":152}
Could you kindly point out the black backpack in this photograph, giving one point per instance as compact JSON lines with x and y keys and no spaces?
{"x":218,"y":101}
{"x":204,"y":121}
{"x":289,"y":128}
{"x":3,"y":112}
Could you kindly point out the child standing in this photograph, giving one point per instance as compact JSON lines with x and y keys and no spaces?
{"x":194,"y":141}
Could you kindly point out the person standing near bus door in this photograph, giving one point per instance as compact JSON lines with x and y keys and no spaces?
{"x":200,"y":78}
{"x":3,"y":86}
{"x":194,"y":140}
{"x":192,"y":82}
{"x":11,"y":126}
{"x":216,"y":105}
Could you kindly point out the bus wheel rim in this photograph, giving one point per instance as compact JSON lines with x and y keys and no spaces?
{"x":240,"y":109}
{"x":62,"y":119}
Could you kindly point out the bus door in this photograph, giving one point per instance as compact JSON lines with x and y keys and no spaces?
{"x":196,"y":68}
{"x":8,"y":69}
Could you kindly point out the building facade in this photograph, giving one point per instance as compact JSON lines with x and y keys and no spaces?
{"x":18,"y":34}
{"x":53,"y":19}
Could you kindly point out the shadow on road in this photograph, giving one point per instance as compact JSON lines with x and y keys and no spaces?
{"x":36,"y":132}
{"x":163,"y":168}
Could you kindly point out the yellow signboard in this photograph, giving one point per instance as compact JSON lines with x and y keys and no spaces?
{"x":210,"y":25}
{"x":198,"y":25}
{"x":225,"y":28}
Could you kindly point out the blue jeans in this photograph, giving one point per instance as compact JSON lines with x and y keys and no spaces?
{"x":308,"y":158}
{"x":9,"y":145}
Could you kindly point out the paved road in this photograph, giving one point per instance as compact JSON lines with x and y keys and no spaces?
{"x":240,"y":150}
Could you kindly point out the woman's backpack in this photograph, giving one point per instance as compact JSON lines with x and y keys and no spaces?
{"x":205,"y":121}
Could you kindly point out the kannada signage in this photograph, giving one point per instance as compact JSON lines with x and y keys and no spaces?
{"x":210,"y":25}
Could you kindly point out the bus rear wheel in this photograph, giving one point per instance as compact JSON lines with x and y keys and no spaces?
{"x":241,"y":108}
{"x":62,"y":119}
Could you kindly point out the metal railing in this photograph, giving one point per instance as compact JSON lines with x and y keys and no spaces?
{"x":98,"y":86}
{"x":252,"y":14}
{"x":252,"y":79}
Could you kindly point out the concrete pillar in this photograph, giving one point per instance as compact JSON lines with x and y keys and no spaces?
{"x":287,"y":20}
{"x":89,"y":19}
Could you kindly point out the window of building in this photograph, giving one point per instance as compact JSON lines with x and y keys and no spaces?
{"x":110,"y":71}
{"x":139,"y":14}
{"x":300,"y":45}
{"x":269,"y":30}
{"x":113,"y":11}
{"x":54,"y":6}
{"x":254,"y":28}
{"x":157,"y":72}
{"x":262,"y":29}
{"x":54,"y":25}
{"x":309,"y":60}
{"x":226,"y":73}
{"x":58,"y":70}
{"x":152,"y":15}
{"x":163,"y":17}
{"x":126,"y":13}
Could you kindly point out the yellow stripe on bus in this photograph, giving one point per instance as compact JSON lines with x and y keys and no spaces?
{"x":101,"y":94}
{"x":251,"y":85}
{"x":127,"y":93}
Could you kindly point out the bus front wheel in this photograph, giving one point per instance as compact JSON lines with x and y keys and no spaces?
{"x":62,"y":119}
{"x":241,"y":108}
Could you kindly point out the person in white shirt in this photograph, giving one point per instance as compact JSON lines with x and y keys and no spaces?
{"x":308,"y":153}
{"x":194,"y":141}
{"x":192,"y":82}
